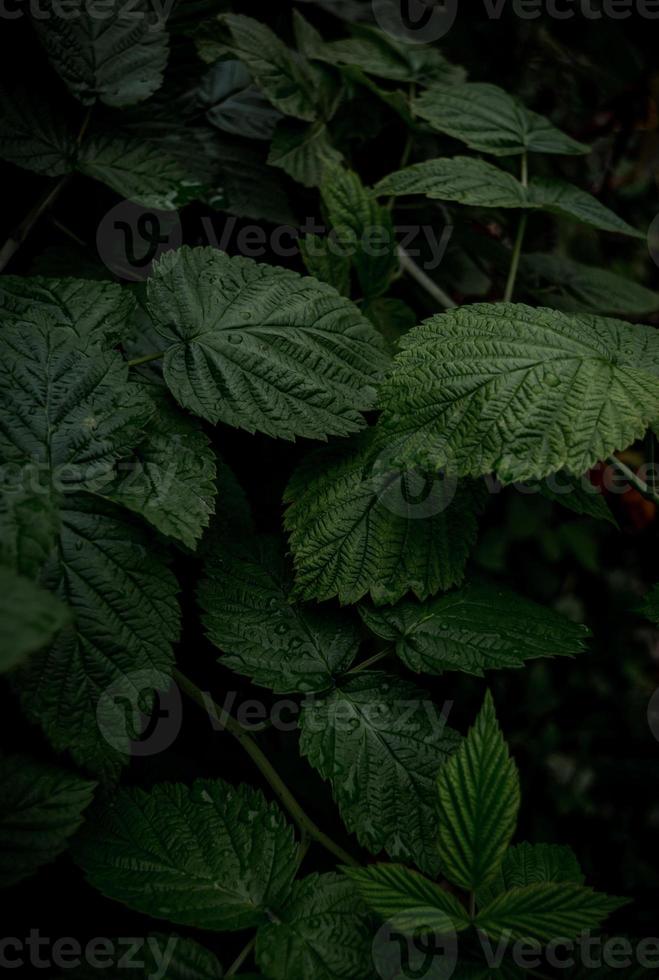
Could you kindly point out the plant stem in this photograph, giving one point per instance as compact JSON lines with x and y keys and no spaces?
{"x":472,"y":905}
{"x":519,"y":238}
{"x":21,"y":232}
{"x":240,"y":959}
{"x":286,"y":798}
{"x":424,"y":280}
{"x":635,"y":480}
{"x":365,"y":664}
{"x":147,"y":359}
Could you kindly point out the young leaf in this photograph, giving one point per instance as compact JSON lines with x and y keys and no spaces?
{"x":126,"y":618}
{"x":359,"y":524}
{"x":587,"y":289}
{"x":170,"y":480}
{"x":34,"y":134}
{"x":546,"y":912}
{"x":322,"y":932}
{"x":521,"y":391}
{"x":363,"y":228}
{"x":380,"y":742}
{"x":236,"y":866}
{"x":462,"y":179}
{"x":262,"y":348}
{"x":68,"y":415}
{"x":488,"y":119}
{"x":284,"y":77}
{"x":41,"y":809}
{"x":249,"y":616}
{"x":476,"y":629}
{"x":531,"y":864}
{"x":95,"y":312}
{"x":408,"y":900}
{"x":305,"y":152}
{"x":29,"y":618}
{"x":234,"y":104}
{"x":118,"y":58}
{"x":478,"y":804}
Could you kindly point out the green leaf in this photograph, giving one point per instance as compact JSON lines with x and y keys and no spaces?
{"x":359,"y":524}
{"x":324,"y":259}
{"x":234,"y":104}
{"x":524,"y":392}
{"x":41,"y":809}
{"x":408,"y":900}
{"x":488,"y":119}
{"x":68,"y":416}
{"x":363,"y":228}
{"x":283,"y":76}
{"x":587,"y":289}
{"x":571,"y":202}
{"x":126,"y":617}
{"x":29,"y":526}
{"x":170,"y":480}
{"x":380,"y":742}
{"x":34,"y":135}
{"x":322,"y":932}
{"x":95,"y":312}
{"x":462,"y":179}
{"x":531,"y":864}
{"x":29,"y":618}
{"x":236,"y":866}
{"x":260,"y":347}
{"x":478,"y":804}
{"x":393,"y":318}
{"x":249,"y":615}
{"x":480,"y":184}
{"x":139,"y":170}
{"x":248,"y":187}
{"x":118,"y":59}
{"x":304,"y":152}
{"x":182,"y":959}
{"x":546,"y":912}
{"x":574,"y":494}
{"x":476,"y":629}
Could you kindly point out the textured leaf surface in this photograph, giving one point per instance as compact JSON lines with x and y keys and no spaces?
{"x":532,"y":864}
{"x":522,"y":391}
{"x":476,"y":629}
{"x":96,"y":312}
{"x":126,"y":618}
{"x":323,"y":933}
{"x":544,"y":912}
{"x":67,"y":415}
{"x":325,"y":260}
{"x":304,"y":152}
{"x":140,"y":171}
{"x":29,"y":525}
{"x":34,"y":135}
{"x":461,"y":179}
{"x":262,"y":348}
{"x":41,"y":808}
{"x":118,"y":58}
{"x":381,"y":742}
{"x":249,"y":616}
{"x":406,"y":899}
{"x":182,"y":959}
{"x":281,"y":74}
{"x":578,"y":495}
{"x":208,"y":856}
{"x":360,"y":524}
{"x":569,"y":201}
{"x":478,"y":804}
{"x":234,"y":104}
{"x":170,"y":479}
{"x":363,"y":229}
{"x":488,"y":119}
{"x":587,"y":289}
{"x":29,"y":618}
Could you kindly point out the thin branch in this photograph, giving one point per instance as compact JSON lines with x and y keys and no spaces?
{"x":519,"y":238}
{"x":147,"y":358}
{"x":240,"y":959}
{"x":424,"y":280}
{"x":365,"y":664}
{"x":21,"y":232}
{"x":635,"y":480}
{"x":286,"y":798}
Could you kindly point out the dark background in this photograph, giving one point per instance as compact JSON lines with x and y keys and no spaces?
{"x":578,"y":729}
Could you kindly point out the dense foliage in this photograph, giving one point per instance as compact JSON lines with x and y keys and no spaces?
{"x":467,"y":328}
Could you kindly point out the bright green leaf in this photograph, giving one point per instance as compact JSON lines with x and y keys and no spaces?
{"x":465,"y":180}
{"x":407,"y":900}
{"x":531,"y":864}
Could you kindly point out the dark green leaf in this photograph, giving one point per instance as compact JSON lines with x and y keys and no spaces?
{"x":407,"y":900}
{"x":305,"y":152}
{"x":29,"y":618}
